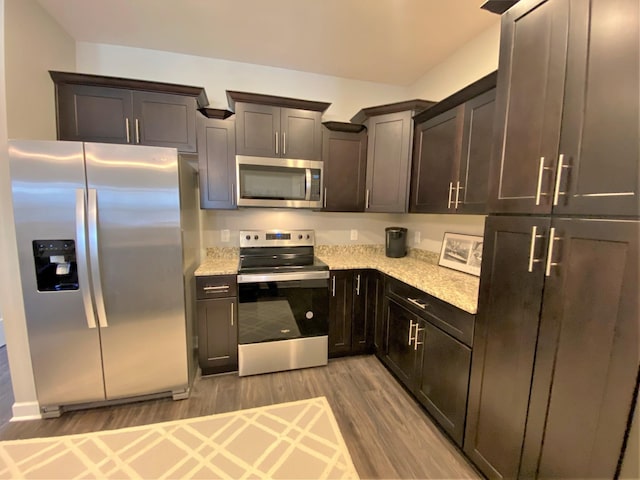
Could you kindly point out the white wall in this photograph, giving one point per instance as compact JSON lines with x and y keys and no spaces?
{"x":470,"y":62}
{"x":335,"y":228}
{"x":31,"y":43}
{"x":34,"y":44}
{"x":216,"y":76}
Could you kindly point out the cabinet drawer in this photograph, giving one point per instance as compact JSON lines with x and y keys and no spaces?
{"x":216,"y":286}
{"x":455,"y":322}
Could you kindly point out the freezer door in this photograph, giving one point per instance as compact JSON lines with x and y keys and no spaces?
{"x":48,"y":185}
{"x":136,"y":265}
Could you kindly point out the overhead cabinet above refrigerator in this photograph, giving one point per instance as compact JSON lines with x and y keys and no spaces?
{"x":99,"y":240}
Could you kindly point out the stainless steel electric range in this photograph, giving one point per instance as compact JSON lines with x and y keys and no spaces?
{"x":283,"y":309}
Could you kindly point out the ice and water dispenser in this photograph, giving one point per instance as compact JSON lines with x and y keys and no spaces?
{"x":55,"y":262}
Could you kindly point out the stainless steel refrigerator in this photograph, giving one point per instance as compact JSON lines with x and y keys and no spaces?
{"x":105,"y":275}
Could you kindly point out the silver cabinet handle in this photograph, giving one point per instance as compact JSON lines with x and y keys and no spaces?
{"x":556,"y":190}
{"x":541,"y":170}
{"x":410,"y":332}
{"x":457,"y":194}
{"x":81,"y":257}
{"x":366,"y":204}
{"x":216,"y":288}
{"x":358,"y":284}
{"x":550,"y":263}
{"x":126,"y":127}
{"x":333,"y":285}
{"x":137,"y":131}
{"x":450,"y":194}
{"x":233,"y":194}
{"x":284,"y":143}
{"x":325,"y":197}
{"x":416,"y":342}
{"x":418,"y":303}
{"x":276,"y":142}
{"x":532,"y":248}
{"x":232,"y":314}
{"x":96,"y":277}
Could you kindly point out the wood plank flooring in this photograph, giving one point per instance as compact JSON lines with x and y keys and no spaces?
{"x":386,"y":431}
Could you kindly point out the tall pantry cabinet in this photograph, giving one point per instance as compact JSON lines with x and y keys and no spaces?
{"x":555,"y":362}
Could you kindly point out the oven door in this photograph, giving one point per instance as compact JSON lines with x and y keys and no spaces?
{"x":282,"y":306}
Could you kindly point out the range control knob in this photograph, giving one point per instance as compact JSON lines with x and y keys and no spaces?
{"x":248,"y":237}
{"x":299,"y":237}
{"x":308,"y":236}
{"x":255,"y":237}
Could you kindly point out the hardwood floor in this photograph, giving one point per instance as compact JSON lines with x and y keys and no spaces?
{"x":386,"y":431}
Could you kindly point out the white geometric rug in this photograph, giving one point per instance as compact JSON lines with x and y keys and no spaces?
{"x":292,"y":440}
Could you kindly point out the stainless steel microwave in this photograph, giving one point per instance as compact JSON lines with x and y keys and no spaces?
{"x":278,"y":182}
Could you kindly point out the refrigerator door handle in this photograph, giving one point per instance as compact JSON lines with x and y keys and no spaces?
{"x":96,"y":278}
{"x":81,"y":257}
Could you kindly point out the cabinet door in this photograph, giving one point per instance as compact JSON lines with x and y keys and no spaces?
{"x":366,"y":289}
{"x":340,"y":307}
{"x":443,"y":382}
{"x":258,"y":130}
{"x":301,"y":134}
{"x":599,"y":143}
{"x":165,"y":120}
{"x":528,"y":106}
{"x":401,"y":354}
{"x":381,"y":322}
{"x":217,"y":335}
{"x":217,"y":163}
{"x":587,"y":356}
{"x":473,"y":183}
{"x":504,"y":343}
{"x":435,"y":164}
{"x":94,"y":114}
{"x":388,"y":158}
{"x":345,"y":165}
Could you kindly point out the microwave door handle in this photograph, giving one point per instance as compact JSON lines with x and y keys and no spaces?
{"x":307,"y":195}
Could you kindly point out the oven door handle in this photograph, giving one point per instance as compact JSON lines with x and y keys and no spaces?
{"x":282,"y":277}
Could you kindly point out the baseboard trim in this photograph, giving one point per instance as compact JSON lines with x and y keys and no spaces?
{"x":23,"y":411}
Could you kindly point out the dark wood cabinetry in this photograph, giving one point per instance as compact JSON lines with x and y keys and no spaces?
{"x":269,"y":126}
{"x":217,"y":323}
{"x":428,"y":360}
{"x":555,"y":358}
{"x":344,"y":155}
{"x":452,"y":152}
{"x":353,"y":310}
{"x":568,"y":109}
{"x":113,"y":110}
{"x":217,"y":161}
{"x":390,"y":138}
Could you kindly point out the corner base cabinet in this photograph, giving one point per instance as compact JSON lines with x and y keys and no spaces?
{"x":555,"y":360}
{"x":217,"y":306}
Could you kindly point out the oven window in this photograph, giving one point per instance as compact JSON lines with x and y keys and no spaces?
{"x":270,"y":311}
{"x":272,"y":183}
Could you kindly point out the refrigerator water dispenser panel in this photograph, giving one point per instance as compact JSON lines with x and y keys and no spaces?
{"x":55,"y":262}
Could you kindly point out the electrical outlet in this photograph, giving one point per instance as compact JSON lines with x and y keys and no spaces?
{"x":354,"y":234}
{"x":224,"y":235}
{"x":416,"y":238}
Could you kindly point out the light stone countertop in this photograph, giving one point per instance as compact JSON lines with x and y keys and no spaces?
{"x":419,"y":269}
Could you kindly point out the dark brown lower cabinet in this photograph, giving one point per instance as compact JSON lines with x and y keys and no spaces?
{"x":353,"y":308}
{"x":555,"y":360}
{"x":217,"y":308}
{"x":431,"y":363}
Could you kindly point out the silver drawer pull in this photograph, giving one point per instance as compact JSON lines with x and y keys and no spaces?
{"x":216,"y":288}
{"x":418,"y":303}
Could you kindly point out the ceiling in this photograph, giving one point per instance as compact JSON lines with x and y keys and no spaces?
{"x":386,"y":41}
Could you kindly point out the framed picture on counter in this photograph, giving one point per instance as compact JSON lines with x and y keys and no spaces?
{"x":461,"y":252}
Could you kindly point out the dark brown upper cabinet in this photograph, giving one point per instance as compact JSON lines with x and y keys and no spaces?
{"x":269,"y":126}
{"x":217,"y":159}
{"x":344,"y":155}
{"x":390,"y":132}
{"x":452,"y":152}
{"x":568,"y":109}
{"x":94,"y":108}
